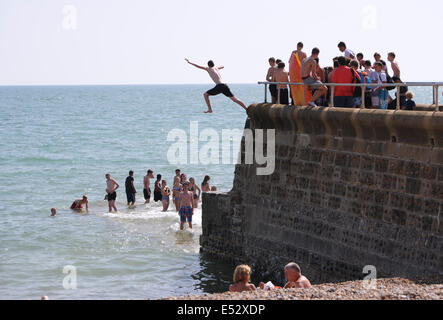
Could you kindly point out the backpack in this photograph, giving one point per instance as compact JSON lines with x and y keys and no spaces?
{"x":355,"y":79}
{"x":389,"y":80}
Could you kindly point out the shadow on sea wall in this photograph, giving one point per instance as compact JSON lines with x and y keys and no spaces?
{"x":351,"y":188}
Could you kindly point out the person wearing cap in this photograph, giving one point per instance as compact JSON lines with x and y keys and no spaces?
{"x":186,"y":204}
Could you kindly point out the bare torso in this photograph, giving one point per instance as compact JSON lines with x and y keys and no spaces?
{"x":309,"y":68}
{"x":215,"y":74}
{"x":395,"y":68}
{"x":241,"y":287}
{"x":281,"y":76}
{"x":270,"y":74}
{"x":110,"y":185}
{"x":186,"y":199}
{"x":146,"y":182}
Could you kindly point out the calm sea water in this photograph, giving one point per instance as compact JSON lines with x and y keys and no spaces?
{"x":57,"y":143}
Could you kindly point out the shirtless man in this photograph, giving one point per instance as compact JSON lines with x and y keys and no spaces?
{"x":111,"y":188}
{"x":220,"y":87}
{"x":301,"y":55}
{"x":311,"y":79}
{"x":295,"y":278}
{"x":147,"y":186}
{"x":186,"y":202}
{"x":269,"y":76}
{"x":394,"y":65}
{"x":280,"y":75}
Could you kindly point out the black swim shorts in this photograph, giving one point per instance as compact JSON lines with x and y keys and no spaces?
{"x":112,"y":196}
{"x":147,"y":194}
{"x":273,"y":90}
{"x":220,"y":88}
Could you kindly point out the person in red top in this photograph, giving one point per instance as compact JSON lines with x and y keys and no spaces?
{"x":344,"y":96}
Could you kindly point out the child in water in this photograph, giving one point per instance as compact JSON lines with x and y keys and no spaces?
{"x":166,"y":192}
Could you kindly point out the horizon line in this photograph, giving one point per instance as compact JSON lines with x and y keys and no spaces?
{"x":116,"y":84}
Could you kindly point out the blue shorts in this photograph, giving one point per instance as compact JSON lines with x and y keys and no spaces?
{"x":186,"y":214}
{"x":130,"y":196}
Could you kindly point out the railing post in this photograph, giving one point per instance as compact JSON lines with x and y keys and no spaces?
{"x":436,"y":98}
{"x":363,"y":98}
{"x":266,"y":93}
{"x":278,"y":99}
{"x":332,"y":96}
{"x":398,"y":98}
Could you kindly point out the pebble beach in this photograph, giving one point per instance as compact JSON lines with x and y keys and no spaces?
{"x":385,"y":289}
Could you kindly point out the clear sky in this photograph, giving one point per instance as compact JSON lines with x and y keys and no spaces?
{"x":145,"y":42}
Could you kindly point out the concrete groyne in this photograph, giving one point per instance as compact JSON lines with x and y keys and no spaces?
{"x":352,"y":188}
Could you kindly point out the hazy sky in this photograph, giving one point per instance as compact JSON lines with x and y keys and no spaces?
{"x":145,"y":42}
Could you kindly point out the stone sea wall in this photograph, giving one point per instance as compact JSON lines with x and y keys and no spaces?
{"x":351,"y":188}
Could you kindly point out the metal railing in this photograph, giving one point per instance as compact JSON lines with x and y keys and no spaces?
{"x":434,"y":85}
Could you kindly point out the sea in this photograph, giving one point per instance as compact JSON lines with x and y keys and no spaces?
{"x":56,"y":145}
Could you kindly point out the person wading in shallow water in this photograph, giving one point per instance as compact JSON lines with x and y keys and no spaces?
{"x":220,"y":87}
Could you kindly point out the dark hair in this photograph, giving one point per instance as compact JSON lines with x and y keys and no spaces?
{"x":211,"y":63}
{"x":131,"y":172}
{"x":342,"y":61}
{"x":317,"y":60}
{"x":315,"y":51}
{"x":360,"y":55}
{"x":278,"y":61}
{"x":368,"y":63}
{"x":300,"y":44}
{"x":394,"y":78}
{"x":177,"y":170}
{"x":354,"y":63}
{"x":272,"y":59}
{"x":341,"y":44}
{"x":383,"y":62}
{"x":281,"y":65}
{"x":150,"y":171}
{"x":391,"y":54}
{"x":377,"y":54}
{"x":205,"y":180}
{"x":159,"y":177}
{"x":336,"y":65}
{"x":378,"y":64}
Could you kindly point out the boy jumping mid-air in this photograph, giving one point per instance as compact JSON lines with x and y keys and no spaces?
{"x":220,"y":87}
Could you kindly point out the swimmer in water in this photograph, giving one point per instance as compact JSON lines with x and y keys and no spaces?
{"x":53,"y":212}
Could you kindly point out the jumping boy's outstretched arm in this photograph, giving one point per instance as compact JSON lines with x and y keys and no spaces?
{"x":195,"y":65}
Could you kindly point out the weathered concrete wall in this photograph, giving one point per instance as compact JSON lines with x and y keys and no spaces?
{"x":351,"y":188}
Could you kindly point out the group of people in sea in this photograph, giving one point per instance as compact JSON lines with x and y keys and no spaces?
{"x":185,"y":194}
{"x":242,"y":279}
{"x":348,"y":68}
